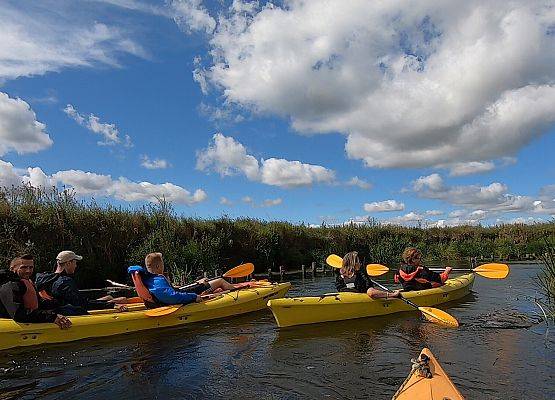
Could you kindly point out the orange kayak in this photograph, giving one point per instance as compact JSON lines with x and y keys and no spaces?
{"x":427,"y":381}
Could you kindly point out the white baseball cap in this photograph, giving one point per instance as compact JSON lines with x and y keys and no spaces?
{"x":67,"y":255}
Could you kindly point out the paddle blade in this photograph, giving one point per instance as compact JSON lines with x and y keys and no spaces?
{"x":161,"y":311}
{"x":439,"y":317}
{"x":376,"y":269}
{"x":334,"y":261}
{"x":493,"y":270}
{"x":240,"y":271}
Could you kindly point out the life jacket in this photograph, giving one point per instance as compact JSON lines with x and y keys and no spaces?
{"x":405,"y":277}
{"x":140,"y":287}
{"x":44,"y":295}
{"x":350,"y":282}
{"x":30,"y":299}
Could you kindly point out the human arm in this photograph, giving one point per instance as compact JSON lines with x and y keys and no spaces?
{"x":380,"y":294}
{"x":436,"y":277}
{"x":11,"y":297}
{"x":165,"y":293}
{"x":66,"y":290}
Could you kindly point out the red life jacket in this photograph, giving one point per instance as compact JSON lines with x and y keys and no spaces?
{"x":140,"y":287}
{"x":403,"y":277}
{"x":30,"y":299}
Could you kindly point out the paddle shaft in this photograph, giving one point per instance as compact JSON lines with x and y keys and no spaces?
{"x":196,"y":283}
{"x":410,"y":303}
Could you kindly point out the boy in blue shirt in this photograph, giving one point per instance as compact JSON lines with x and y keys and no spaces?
{"x":164,"y":293}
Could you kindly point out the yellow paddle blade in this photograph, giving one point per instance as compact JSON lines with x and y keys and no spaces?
{"x":161,"y":311}
{"x":493,"y":270}
{"x":376,"y":269}
{"x":240,"y":271}
{"x":334,"y":261}
{"x":439,"y":317}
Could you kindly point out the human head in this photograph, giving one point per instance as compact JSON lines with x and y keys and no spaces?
{"x":412,"y":256}
{"x":154,"y":263}
{"x":351,"y":263}
{"x":23,"y":266}
{"x":67,"y":260}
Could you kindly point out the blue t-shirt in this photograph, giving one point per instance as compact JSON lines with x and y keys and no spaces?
{"x":161,"y":289}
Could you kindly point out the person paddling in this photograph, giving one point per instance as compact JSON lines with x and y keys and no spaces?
{"x":60,"y":286}
{"x":160,"y":289}
{"x":18,"y":296}
{"x":414,"y":276}
{"x":351,"y":278}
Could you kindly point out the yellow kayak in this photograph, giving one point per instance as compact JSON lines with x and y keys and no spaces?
{"x":342,"y":306}
{"x":108,"y":323}
{"x":427,"y":381}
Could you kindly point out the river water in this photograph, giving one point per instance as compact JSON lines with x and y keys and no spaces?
{"x":249,"y":357}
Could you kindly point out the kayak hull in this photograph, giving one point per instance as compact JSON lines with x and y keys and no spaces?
{"x":342,"y":306}
{"x":14,"y":334}
{"x":437,"y":387}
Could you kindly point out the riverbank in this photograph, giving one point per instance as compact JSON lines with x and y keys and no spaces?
{"x":111,"y":238}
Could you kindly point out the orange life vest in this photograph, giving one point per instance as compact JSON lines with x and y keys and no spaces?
{"x":30,"y":299}
{"x":406,"y":277}
{"x":140,"y":287}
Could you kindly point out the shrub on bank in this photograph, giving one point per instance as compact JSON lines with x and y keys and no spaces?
{"x":111,"y":238}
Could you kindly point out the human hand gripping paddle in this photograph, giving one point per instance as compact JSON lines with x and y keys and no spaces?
{"x":431,"y":314}
{"x":239,"y":271}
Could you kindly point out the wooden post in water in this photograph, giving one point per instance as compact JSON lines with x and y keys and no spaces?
{"x":270,"y":273}
{"x":303,"y":270}
{"x":313,"y":268}
{"x":281,"y":271}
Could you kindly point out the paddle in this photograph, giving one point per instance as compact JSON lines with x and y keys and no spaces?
{"x":239,"y":271}
{"x":431,"y":314}
{"x":491,"y":271}
{"x":335,"y":261}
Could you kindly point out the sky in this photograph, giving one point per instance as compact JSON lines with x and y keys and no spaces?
{"x":406,"y":112}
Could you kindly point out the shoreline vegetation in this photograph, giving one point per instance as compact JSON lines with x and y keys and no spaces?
{"x":111,"y":238}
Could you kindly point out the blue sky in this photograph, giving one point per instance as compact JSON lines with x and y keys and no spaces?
{"x":407,"y":113}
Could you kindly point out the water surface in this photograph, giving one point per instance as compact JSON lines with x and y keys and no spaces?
{"x":249,"y":357}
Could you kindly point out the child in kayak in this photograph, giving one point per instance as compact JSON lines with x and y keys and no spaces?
{"x":161,"y":290}
{"x":414,"y":276}
{"x":350,"y":278}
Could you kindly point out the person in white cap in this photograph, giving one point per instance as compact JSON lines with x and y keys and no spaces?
{"x":60,"y":286}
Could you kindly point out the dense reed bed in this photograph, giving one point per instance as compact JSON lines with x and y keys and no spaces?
{"x":111,"y":238}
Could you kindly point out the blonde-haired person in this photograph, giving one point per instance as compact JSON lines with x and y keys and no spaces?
{"x":415,"y":276}
{"x":162,"y":290}
{"x":351,"y":278}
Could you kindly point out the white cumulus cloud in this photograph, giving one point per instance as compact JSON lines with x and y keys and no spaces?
{"x":19,"y":129}
{"x":472,"y":167}
{"x":358,"y":182}
{"x":92,"y":184}
{"x":383,"y":206}
{"x":157,"y":163}
{"x":449,"y":82}
{"x":191,"y":16}
{"x":226,"y":156}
